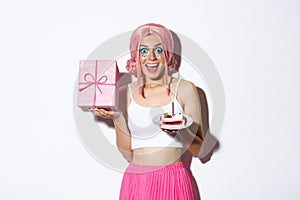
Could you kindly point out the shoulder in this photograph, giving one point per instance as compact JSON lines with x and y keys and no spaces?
{"x":123,"y":88}
{"x":128,"y":89}
{"x":132,"y":85}
{"x":186,"y":87}
{"x":125,"y":95}
{"x":127,"y":86}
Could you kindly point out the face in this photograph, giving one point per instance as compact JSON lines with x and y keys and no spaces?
{"x":151,"y":53}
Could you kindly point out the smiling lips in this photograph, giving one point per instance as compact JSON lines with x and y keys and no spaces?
{"x":152,"y":67}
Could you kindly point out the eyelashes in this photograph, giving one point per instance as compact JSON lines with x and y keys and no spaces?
{"x":144,"y":52}
{"x":158,"y":51}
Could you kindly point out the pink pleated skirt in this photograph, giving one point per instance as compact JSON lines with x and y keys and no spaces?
{"x":169,"y":182}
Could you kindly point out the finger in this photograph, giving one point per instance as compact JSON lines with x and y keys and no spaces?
{"x":105,"y":113}
{"x":171,"y":132}
{"x":167,"y":131}
{"x":95,"y":111}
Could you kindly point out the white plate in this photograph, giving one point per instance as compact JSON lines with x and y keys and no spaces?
{"x":188,"y":122}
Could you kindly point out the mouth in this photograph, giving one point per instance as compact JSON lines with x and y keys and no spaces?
{"x":152,"y":67}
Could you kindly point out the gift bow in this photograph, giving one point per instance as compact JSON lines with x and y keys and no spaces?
{"x":94,"y":82}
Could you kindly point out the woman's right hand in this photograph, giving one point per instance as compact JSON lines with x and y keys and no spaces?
{"x":107,"y":114}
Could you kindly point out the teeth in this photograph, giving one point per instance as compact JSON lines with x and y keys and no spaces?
{"x":152,"y":65}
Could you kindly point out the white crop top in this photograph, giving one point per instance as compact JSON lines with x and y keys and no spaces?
{"x":144,"y":132}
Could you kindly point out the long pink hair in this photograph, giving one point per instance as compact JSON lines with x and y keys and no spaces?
{"x":165,"y":36}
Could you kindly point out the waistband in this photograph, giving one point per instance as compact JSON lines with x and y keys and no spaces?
{"x":137,"y":168}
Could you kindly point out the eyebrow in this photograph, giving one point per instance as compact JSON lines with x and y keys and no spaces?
{"x":147,"y":46}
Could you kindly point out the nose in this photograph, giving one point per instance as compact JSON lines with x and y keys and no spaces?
{"x":152,"y":55}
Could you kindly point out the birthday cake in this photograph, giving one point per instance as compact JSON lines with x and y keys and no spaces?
{"x":169,"y":121}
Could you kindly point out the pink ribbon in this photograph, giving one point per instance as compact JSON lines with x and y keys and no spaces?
{"x":101,"y":81}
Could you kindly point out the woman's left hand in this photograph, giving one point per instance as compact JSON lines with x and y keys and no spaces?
{"x":170,"y":132}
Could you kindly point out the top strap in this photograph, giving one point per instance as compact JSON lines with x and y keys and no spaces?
{"x":176,"y":89}
{"x":130,"y":91}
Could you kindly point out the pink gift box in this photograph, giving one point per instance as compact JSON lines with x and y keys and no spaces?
{"x":97,"y":84}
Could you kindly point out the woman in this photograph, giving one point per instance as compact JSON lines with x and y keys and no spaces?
{"x":155,"y":169}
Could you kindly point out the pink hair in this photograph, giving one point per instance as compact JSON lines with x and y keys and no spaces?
{"x":165,"y":36}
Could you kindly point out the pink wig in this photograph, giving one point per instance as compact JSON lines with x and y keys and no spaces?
{"x":165,"y":36}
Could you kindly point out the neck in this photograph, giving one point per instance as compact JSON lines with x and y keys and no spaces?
{"x":152,"y":83}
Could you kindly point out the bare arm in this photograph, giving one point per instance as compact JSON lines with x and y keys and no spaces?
{"x":123,"y":139}
{"x":191,"y":137}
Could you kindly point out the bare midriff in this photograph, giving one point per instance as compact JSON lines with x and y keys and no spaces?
{"x":156,"y":156}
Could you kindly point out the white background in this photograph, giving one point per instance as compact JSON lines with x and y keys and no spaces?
{"x":253,"y":44}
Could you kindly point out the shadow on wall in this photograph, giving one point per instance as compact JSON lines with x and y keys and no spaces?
{"x":209,"y":146}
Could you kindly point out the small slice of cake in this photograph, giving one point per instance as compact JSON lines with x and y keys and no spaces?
{"x":167,"y":121}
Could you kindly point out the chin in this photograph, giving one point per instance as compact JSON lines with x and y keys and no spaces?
{"x":154,"y":76}
{"x":157,"y":76}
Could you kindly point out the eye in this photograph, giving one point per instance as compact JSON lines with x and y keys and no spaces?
{"x":144,"y":52}
{"x":158,"y":50}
